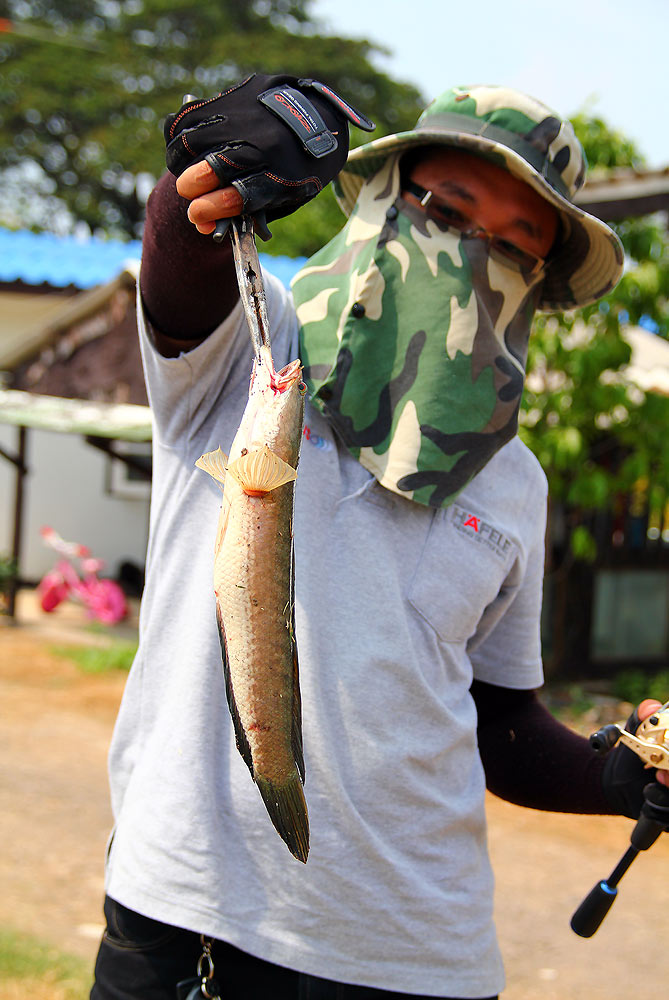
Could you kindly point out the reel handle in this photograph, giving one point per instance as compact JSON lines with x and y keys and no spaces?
{"x":590,"y":914}
{"x":653,"y":820}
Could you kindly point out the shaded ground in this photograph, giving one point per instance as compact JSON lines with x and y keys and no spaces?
{"x":55,"y":725}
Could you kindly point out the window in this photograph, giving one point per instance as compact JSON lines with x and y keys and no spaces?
{"x":130,"y":480}
{"x":630,"y":614}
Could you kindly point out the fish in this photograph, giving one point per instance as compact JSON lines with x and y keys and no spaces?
{"x":254,"y":591}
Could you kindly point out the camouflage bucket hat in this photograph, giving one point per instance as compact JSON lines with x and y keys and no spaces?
{"x":534,"y":144}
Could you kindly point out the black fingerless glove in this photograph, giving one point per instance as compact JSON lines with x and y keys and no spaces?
{"x":625,"y":776}
{"x":278,"y":139}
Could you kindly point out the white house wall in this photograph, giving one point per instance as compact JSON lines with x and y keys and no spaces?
{"x":66,"y":489}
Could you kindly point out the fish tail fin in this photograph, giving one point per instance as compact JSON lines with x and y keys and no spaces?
{"x":287,"y":809}
{"x":259,"y":472}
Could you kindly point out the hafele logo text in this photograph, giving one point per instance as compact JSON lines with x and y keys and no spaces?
{"x":479,"y":530}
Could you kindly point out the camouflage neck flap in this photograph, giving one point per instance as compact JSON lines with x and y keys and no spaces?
{"x":414,"y":344}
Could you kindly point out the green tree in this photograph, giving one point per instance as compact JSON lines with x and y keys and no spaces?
{"x":85,"y":85}
{"x":597,"y":435}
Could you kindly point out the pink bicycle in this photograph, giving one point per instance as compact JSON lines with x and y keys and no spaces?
{"x":75,"y":575}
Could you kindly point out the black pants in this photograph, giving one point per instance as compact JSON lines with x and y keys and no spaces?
{"x":143,"y":959}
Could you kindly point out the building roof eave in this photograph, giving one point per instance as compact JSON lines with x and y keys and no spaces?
{"x":118,"y":421}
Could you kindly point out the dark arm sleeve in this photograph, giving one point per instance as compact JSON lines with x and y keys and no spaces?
{"x":187,"y":281}
{"x":532,"y":759}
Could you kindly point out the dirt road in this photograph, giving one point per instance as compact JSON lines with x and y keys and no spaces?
{"x":55,"y":725}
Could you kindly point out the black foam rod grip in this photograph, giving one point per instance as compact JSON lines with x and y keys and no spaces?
{"x":590,"y":914}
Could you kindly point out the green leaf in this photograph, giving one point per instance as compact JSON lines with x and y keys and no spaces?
{"x":85,"y":87}
{"x":583,"y":545}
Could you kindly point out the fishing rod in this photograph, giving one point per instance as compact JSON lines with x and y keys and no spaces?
{"x":650,"y":743}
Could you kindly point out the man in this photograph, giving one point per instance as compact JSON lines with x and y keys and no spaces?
{"x":419,"y":534}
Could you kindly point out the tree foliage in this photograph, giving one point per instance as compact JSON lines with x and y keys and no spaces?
{"x":85,"y":85}
{"x":597,"y":434}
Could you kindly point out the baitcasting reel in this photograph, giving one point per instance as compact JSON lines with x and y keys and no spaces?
{"x":649,"y":741}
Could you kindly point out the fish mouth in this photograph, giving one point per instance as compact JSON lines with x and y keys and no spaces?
{"x":279,"y":381}
{"x":284,"y":379}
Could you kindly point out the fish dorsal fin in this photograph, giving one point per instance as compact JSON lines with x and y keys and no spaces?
{"x":259,"y":472}
{"x":215,"y":463}
{"x":240,"y":735}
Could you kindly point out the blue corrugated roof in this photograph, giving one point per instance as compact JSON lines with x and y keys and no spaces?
{"x":43,"y":258}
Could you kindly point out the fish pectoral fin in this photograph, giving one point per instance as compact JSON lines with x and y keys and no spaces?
{"x":287,"y":810}
{"x":215,"y":463}
{"x":259,"y":472}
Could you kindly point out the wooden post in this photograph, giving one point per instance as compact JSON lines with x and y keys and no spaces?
{"x":21,"y":471}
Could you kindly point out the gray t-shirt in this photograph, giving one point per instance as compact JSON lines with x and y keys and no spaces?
{"x":398,"y":607}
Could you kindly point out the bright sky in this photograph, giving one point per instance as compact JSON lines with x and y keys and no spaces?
{"x":609,"y":54}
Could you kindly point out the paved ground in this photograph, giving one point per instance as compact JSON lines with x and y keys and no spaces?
{"x":55,"y":725}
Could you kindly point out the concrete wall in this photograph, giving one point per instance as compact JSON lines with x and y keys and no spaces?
{"x":67,"y":489}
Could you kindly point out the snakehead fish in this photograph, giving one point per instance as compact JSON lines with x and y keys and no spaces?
{"x":253,"y":584}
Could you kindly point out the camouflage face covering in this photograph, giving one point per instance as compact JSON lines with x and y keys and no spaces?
{"x":414,"y":343}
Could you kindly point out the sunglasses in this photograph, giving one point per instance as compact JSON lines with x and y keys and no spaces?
{"x":504,"y":251}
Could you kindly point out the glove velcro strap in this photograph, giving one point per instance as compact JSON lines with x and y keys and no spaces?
{"x":299,"y":114}
{"x":355,"y":117}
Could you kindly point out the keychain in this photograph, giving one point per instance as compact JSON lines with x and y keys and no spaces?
{"x":203,"y":985}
